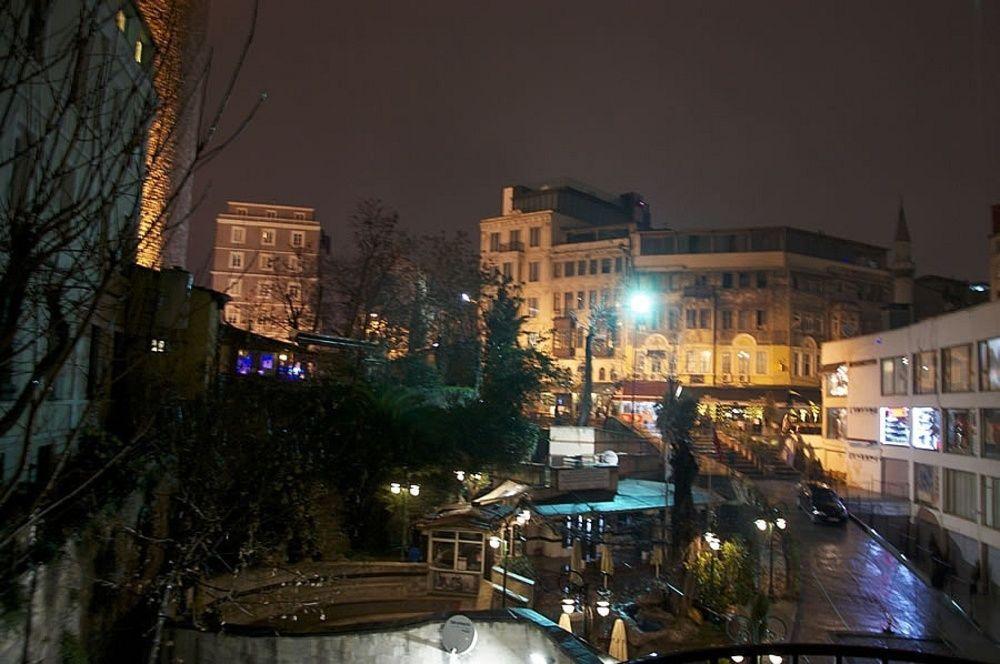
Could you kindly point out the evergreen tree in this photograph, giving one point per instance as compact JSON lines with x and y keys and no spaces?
{"x":675,"y":418}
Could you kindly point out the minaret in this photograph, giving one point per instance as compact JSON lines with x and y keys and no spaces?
{"x":902,"y":262}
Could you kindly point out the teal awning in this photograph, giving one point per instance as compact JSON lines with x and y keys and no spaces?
{"x":632,"y":496}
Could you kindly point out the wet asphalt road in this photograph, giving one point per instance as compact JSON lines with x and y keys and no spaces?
{"x":851,"y":587}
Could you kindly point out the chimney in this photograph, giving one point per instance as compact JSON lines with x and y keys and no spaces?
{"x":507,"y":202}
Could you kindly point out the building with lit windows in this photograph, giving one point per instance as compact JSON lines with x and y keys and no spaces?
{"x":267,"y":260}
{"x":738,"y":315}
{"x":915,"y":413}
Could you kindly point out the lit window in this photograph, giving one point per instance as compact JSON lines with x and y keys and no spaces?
{"x":532,"y":307}
{"x":158,"y":346}
{"x":925,"y":372}
{"x":236,"y":259}
{"x":926,"y":428}
{"x":956,"y":368}
{"x":298,"y":238}
{"x":238,"y":235}
{"x":533,"y":271}
{"x":120,"y":20}
{"x":267,"y":236}
{"x":894,"y":426}
{"x":138,"y":51}
{"x":895,"y":375}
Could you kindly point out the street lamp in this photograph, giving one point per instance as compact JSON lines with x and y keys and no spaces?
{"x":396,"y":488}
{"x":578,"y":598}
{"x":640,"y":304}
{"x":769,"y":525}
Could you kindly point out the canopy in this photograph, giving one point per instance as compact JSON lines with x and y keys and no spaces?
{"x":632,"y":496}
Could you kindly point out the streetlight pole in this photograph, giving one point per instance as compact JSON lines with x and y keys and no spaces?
{"x":768,"y":525}
{"x":414,"y":490}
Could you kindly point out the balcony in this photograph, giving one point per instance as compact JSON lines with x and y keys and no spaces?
{"x":699,"y":292}
{"x":509,"y":246}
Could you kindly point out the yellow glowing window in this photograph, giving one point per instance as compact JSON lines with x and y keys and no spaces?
{"x":120,"y":20}
{"x":138,"y":50}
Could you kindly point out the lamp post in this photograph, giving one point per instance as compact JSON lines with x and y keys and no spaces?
{"x":639,"y":304}
{"x":769,"y":525}
{"x":714,"y":543}
{"x":398,"y":489}
{"x":578,"y":597}
{"x":523,"y":517}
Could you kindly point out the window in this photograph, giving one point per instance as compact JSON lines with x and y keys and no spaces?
{"x":235,"y":287}
{"x":836,"y":423}
{"x":744,"y":320}
{"x":989,"y":365}
{"x":271,"y":214}
{"x":138,"y":51}
{"x":459,"y":551}
{"x":894,"y":375}
{"x":837,"y":382}
{"x":927,"y":484}
{"x":570,"y":267}
{"x":267,"y":236}
{"x":802,"y":364}
{"x":556,"y":270}
{"x":532,"y":307}
{"x":593,"y":266}
{"x":298,"y":238}
{"x":925,"y":372}
{"x":568,"y":302}
{"x":237,"y":235}
{"x":579,"y":300}
{"x":960,"y":493}
{"x":265,"y":261}
{"x":556,"y":303}
{"x":233,"y":316}
{"x":727,"y":363}
{"x":691,"y":318}
{"x":120,"y":20}
{"x":761,"y":362}
{"x":727,"y":279}
{"x":534,"y":271}
{"x":618,"y":264}
{"x":514,"y":238}
{"x":761,"y":319}
{"x":494,"y":241}
{"x":927,"y":429}
{"x":605,"y":266}
{"x":592,"y":299}
{"x":242,"y":211}
{"x":894,"y":426}
{"x":535,"y":236}
{"x":294,"y":291}
{"x":673,"y":319}
{"x":705,"y":359}
{"x":762,"y":280}
{"x":991,"y":501}
{"x":507,"y":269}
{"x":956,"y":368}
{"x":990,"y":418}
{"x":959,"y":425}
{"x":265,"y":289}
{"x":236,"y":260}
{"x":157,"y":346}
{"x":744,"y":280}
{"x":299,"y":215}
{"x":704,"y":319}
{"x":727,"y":319}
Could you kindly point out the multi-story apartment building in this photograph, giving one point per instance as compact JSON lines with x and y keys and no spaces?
{"x":915,"y":413}
{"x":267,"y":260}
{"x":735,"y":314}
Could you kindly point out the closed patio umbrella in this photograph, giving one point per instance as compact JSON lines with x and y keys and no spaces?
{"x":576,"y":561}
{"x":619,"y":641}
{"x":656,"y":559}
{"x":565,"y":622}
{"x":607,"y":563}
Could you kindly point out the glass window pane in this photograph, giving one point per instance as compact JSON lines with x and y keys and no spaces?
{"x":991,"y":432}
{"x":470,"y":557}
{"x":443,"y":554}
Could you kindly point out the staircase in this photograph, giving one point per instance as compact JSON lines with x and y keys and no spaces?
{"x":755,"y":461}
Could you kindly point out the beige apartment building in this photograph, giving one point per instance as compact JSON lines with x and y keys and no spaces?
{"x":266,"y":258}
{"x":737,"y":315}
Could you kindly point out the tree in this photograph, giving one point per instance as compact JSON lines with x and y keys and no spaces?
{"x":599,"y":325}
{"x":676,"y":415}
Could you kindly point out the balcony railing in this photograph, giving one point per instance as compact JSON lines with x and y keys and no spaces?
{"x":510,"y":246}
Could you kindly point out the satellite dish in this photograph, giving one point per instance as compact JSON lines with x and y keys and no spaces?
{"x":458,"y":635}
{"x":609,"y":458}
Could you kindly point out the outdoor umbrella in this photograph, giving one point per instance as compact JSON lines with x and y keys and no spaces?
{"x":565,"y":622}
{"x":657,"y":559}
{"x":619,"y":641}
{"x":576,"y":562}
{"x":607,"y":563}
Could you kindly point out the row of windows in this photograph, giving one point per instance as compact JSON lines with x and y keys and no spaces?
{"x":960,"y":496}
{"x":591,"y":266}
{"x":514,"y":242}
{"x":268,"y":236}
{"x":270,"y":214}
{"x":954,"y":364}
{"x":265,"y":262}
{"x":580,"y":300}
{"x":265,"y":289}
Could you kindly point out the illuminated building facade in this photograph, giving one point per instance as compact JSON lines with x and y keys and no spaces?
{"x":732,"y":313}
{"x":267,"y":260}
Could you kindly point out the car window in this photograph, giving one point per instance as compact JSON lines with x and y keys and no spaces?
{"x":821,"y":495}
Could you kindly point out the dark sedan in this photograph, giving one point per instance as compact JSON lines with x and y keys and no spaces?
{"x":821,"y":503}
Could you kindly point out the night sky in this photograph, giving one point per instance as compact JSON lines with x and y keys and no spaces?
{"x":804,"y":113}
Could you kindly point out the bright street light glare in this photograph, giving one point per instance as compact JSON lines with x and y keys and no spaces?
{"x":780,"y":523}
{"x":761,"y":524}
{"x":640,"y":303}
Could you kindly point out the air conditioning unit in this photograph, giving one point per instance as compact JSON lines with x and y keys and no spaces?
{"x":727,"y":378}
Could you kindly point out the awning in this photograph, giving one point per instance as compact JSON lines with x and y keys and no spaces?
{"x":503,"y":491}
{"x":632,"y":496}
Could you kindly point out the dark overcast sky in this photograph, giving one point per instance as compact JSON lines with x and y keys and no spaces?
{"x":811,"y":114}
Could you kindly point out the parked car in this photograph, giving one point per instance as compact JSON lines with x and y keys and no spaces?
{"x":821,"y":503}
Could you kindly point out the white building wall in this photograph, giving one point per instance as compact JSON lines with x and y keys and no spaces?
{"x":870,"y":460}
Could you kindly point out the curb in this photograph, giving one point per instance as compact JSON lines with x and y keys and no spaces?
{"x":920,"y":574}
